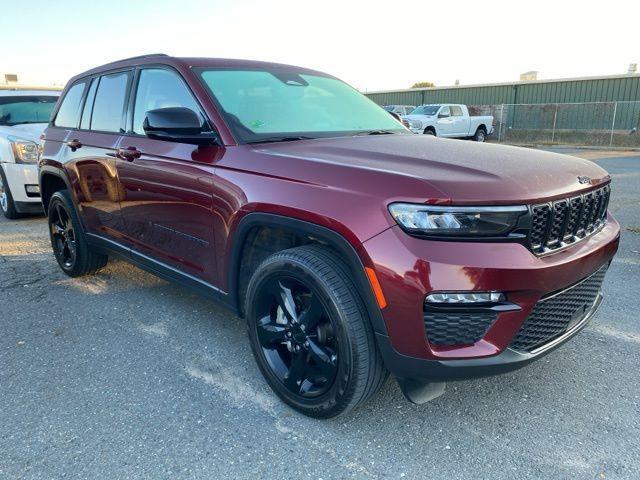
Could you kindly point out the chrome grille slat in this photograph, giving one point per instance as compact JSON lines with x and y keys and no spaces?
{"x":556,"y":224}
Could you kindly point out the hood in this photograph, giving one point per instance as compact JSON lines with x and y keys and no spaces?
{"x":26,"y":131}
{"x":451,"y":171}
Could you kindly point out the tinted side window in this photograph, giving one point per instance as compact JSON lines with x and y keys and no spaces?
{"x":456,"y":111}
{"x":160,"y":88}
{"x":69,"y":110}
{"x":85,"y":123}
{"x":108,"y":107}
{"x":445,"y":111}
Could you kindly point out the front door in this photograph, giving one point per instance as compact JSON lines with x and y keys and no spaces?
{"x":167,"y":186}
{"x":445,"y":123}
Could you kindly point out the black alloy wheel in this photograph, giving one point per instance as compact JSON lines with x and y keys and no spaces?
{"x":296,"y":336}
{"x":63,"y":237}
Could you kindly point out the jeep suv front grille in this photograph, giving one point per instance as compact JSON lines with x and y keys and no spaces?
{"x":557,"y":313}
{"x":557,"y":224}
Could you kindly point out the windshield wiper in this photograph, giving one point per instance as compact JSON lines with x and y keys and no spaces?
{"x":375,"y":132}
{"x":283,"y":139}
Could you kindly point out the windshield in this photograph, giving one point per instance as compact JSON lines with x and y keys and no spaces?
{"x":272,"y":105}
{"x":26,"y":109}
{"x":426,"y":110}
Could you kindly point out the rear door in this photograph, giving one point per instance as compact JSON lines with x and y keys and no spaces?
{"x":167,"y":186}
{"x":460,"y":122}
{"x":91,"y":155}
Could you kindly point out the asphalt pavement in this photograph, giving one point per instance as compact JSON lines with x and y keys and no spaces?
{"x":124,"y":375}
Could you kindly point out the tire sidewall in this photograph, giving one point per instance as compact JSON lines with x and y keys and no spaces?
{"x":341,"y":388}
{"x":480,"y":134}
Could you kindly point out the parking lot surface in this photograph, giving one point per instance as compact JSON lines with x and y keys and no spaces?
{"x":123,"y":375}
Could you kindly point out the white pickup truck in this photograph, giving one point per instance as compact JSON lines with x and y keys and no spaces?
{"x":24,"y":114}
{"x":449,"y":120}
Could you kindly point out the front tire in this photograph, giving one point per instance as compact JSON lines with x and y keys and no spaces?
{"x":310,"y":333}
{"x":430,"y":131}
{"x":73,"y":253}
{"x":7,"y":205}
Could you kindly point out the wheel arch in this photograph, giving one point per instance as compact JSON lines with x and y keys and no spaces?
{"x":52,"y":180}
{"x":431,"y":128}
{"x":309,"y":232}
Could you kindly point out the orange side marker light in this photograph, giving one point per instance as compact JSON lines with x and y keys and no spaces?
{"x":377,"y":290}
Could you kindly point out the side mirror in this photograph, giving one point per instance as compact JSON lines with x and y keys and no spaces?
{"x":177,"y":124}
{"x":443,"y":115}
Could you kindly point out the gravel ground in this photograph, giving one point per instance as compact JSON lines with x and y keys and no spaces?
{"x":123,"y":375}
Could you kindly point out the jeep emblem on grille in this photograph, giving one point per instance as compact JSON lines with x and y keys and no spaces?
{"x":584,"y":180}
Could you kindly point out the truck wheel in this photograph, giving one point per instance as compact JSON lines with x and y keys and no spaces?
{"x":429,"y":131}
{"x":7,"y":204}
{"x":481,"y":135}
{"x":310,"y":334}
{"x":70,"y":247}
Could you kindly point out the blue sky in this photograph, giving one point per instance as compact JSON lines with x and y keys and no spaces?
{"x":370,"y":44}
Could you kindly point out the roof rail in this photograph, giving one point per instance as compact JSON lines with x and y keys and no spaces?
{"x":149,"y":55}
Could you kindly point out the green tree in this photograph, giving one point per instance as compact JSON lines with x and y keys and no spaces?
{"x":423,"y":85}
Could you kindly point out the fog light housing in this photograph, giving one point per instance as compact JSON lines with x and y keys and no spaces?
{"x":33,"y":189}
{"x":464,"y":298}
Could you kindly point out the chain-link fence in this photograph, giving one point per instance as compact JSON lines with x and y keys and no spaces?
{"x":606,"y":124}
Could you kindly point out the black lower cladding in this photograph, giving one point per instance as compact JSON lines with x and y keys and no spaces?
{"x":450,"y":327}
{"x":558,"y":312}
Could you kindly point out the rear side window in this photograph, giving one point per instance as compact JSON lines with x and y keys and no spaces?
{"x":69,"y":110}
{"x":85,"y":123}
{"x":108,"y":106}
{"x":456,"y":111}
{"x":160,"y":88}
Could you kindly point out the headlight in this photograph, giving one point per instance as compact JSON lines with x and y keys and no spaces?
{"x":24,"y":151}
{"x":457,"y":221}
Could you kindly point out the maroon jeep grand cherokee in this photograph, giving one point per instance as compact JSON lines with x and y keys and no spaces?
{"x":352,"y":247}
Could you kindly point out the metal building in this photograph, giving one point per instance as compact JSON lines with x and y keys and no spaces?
{"x":573,"y":90}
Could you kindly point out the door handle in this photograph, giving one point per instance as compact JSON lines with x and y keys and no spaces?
{"x":129,"y":154}
{"x":74,"y":144}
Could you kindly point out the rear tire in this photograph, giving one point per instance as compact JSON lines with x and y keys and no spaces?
{"x":70,"y":247}
{"x":310,"y":333}
{"x":7,"y":205}
{"x":480,"y":136}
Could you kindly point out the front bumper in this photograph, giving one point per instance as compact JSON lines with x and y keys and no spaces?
{"x":19,"y":177}
{"x":408,"y":269}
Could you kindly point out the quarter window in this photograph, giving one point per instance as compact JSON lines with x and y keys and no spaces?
{"x":69,"y":110}
{"x":108,"y":106}
{"x":159,"y":88}
{"x":85,"y":123}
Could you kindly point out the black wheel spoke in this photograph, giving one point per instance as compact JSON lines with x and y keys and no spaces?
{"x":311,"y":315}
{"x":270,"y":332}
{"x":322,"y":357}
{"x":295,"y":375}
{"x":287,"y":303}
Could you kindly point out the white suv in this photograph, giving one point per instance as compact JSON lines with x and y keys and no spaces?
{"x":24,"y":114}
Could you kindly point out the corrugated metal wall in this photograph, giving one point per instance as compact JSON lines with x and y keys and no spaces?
{"x":606,"y":89}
